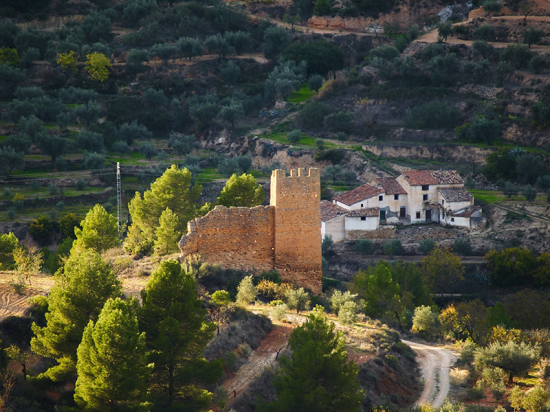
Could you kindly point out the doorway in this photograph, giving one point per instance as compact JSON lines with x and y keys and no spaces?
{"x":403,"y":212}
{"x":428,"y":215}
{"x":382,"y":215}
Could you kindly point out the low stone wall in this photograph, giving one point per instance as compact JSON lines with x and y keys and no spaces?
{"x":238,"y":237}
{"x":383,"y":232}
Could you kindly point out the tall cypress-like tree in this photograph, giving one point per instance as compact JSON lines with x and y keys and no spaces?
{"x":111,"y":365}
{"x":167,"y":233}
{"x":317,"y":377}
{"x":79,"y":293}
{"x":177,"y":334}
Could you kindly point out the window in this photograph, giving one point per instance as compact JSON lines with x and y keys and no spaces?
{"x":380,"y":198}
{"x":425,"y":187}
{"x":395,"y":197}
{"x":361,"y":204}
{"x":418,"y":215}
{"x":424,"y":197}
{"x":452,"y":219}
{"x":443,"y":201}
{"x":363,"y":218}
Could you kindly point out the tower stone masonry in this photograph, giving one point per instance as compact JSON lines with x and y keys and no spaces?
{"x":284,"y":236}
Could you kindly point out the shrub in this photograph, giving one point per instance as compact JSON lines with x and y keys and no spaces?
{"x":121,"y":147}
{"x":364,"y":247}
{"x":130,"y":132}
{"x":484,"y":32}
{"x":297,"y":299}
{"x":537,"y":64}
{"x":230,"y":72}
{"x":294,"y":136}
{"x":393,"y":247}
{"x":529,"y":192}
{"x":313,"y":113}
{"x":338,"y":175}
{"x":462,"y":246}
{"x":41,"y":229}
{"x":148,"y":150}
{"x":286,"y":77}
{"x":279,"y":312}
{"x":516,"y":55}
{"x":93,"y":160}
{"x":80,"y":185}
{"x":339,"y":121}
{"x":321,"y":56}
{"x":53,"y":189}
{"x":316,"y":82}
{"x":432,"y":115}
{"x":425,"y":246}
{"x":276,"y":39}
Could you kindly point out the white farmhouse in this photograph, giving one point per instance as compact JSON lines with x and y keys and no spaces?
{"x":415,"y":196}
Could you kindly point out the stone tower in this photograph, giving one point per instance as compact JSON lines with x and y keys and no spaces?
{"x":297,"y":237}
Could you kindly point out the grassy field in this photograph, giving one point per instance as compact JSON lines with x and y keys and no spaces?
{"x":301,"y":95}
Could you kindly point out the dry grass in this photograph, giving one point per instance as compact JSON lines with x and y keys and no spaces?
{"x":458,"y":377}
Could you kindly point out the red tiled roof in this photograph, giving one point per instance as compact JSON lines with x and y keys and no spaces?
{"x":358,"y":194}
{"x":455,"y":194}
{"x":390,"y":186}
{"x":331,"y":210}
{"x":467,"y":212}
{"x":420,"y":177}
{"x":432,"y":177}
{"x":370,"y":212}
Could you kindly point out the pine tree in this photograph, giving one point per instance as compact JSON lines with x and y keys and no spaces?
{"x":172,"y":190}
{"x":177,"y":334}
{"x":111,"y":364}
{"x":79,"y":293}
{"x":318,"y":353}
{"x":99,"y":230}
{"x":242,"y":190}
{"x":167,"y":234}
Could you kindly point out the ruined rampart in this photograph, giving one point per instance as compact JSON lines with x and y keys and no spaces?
{"x":285,"y":236}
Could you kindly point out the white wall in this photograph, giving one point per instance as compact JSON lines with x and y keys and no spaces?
{"x":367,"y":203}
{"x":334,"y":227}
{"x":458,"y":221}
{"x":355,"y":223}
{"x":394,"y":205}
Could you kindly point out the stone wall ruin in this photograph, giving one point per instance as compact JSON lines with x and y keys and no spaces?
{"x":284,"y":236}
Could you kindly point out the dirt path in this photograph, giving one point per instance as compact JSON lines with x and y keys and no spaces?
{"x":435,"y":363}
{"x":264,"y":356}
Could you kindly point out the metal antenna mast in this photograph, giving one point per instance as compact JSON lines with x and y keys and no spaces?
{"x":119,"y":203}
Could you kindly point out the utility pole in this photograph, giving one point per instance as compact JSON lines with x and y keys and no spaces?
{"x":119,"y":203}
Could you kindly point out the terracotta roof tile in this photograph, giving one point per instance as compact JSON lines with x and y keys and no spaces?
{"x":331,"y":210}
{"x":455,"y":194}
{"x":370,"y":212}
{"x":390,"y":186}
{"x":468,"y":212}
{"x":358,"y":194}
{"x":419,"y":177}
{"x":447,"y":177}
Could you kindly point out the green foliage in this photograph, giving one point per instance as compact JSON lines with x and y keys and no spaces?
{"x":11,"y":160}
{"x":190,"y":47}
{"x":326,"y":244}
{"x":78,"y":295}
{"x":176,"y":333}
{"x":164,"y":51}
{"x":87,"y":113}
{"x":432,"y":115}
{"x":498,"y":316}
{"x":462,"y":246}
{"x":316,"y":82}
{"x":246,"y":291}
{"x":286,"y":77}
{"x":230,"y":72}
{"x":275,"y":40}
{"x":313,"y":114}
{"x":167,"y":236}
{"x":477,"y":69}
{"x":441,"y":269}
{"x":10,"y":78}
{"x":483,"y":49}
{"x":31,"y":126}
{"x":529,"y":168}
{"x":99,"y":230}
{"x":393,"y":247}
{"x":492,"y":6}
{"x":219,"y":45}
{"x":510,"y":267}
{"x":441,"y":67}
{"x":481,"y":129}
{"x":221,"y":297}
{"x":516,"y":55}
{"x":501,"y":165}
{"x":294,"y":136}
{"x":484,"y":32}
{"x":317,"y":352}
{"x":241,"y":41}
{"x":529,"y":192}
{"x":8,"y":243}
{"x":241,"y":191}
{"x":444,"y":30}
{"x":231,"y":113}
{"x":111,"y":365}
{"x":297,"y":299}
{"x":322,"y":7}
{"x":172,"y":190}
{"x":135,"y":58}
{"x":339,"y":299}
{"x":320,"y":56}
{"x":425,"y":320}
{"x":98,"y":66}
{"x":531,"y":36}
{"x":339,"y":121}
{"x":501,"y":71}
{"x":135,"y":10}
{"x":537,"y":64}
{"x":514,"y":358}
{"x":9,"y":57}
{"x":338,"y":175}
{"x":129,"y":132}
{"x":90,"y":141}
{"x":381,"y":293}
{"x":364,"y":247}
{"x":148,"y":150}
{"x":425,"y":246}
{"x":41,"y":229}
{"x":54,"y":261}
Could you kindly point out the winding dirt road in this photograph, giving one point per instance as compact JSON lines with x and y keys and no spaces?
{"x":435,"y":363}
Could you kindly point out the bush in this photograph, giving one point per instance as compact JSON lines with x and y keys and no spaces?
{"x":432,"y":115}
{"x":294,"y":136}
{"x":316,"y":82}
{"x":297,"y":299}
{"x":484,"y":32}
{"x":278,"y":313}
{"x":121,"y":147}
{"x":321,"y":56}
{"x":339,"y":121}
{"x":462,"y":246}
{"x":90,"y":141}
{"x":516,"y":55}
{"x":393,"y":247}
{"x":313,"y":113}
{"x":425,"y":246}
{"x":230,"y":72}
{"x":482,"y":129}
{"x":364,"y":247}
{"x":276,"y":39}
{"x":41,"y":229}
{"x":130,"y":132}
{"x":529,"y":192}
{"x":183,"y":144}
{"x":53,"y":189}
{"x":286,"y":77}
{"x":80,"y":185}
{"x":338,"y":175}
{"x":148,"y":150}
{"x":537,"y":64}
{"x":93,"y":160}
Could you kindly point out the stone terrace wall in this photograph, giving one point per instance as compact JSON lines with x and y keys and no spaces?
{"x":384,"y":232}
{"x":238,"y":237}
{"x":296,"y":199}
